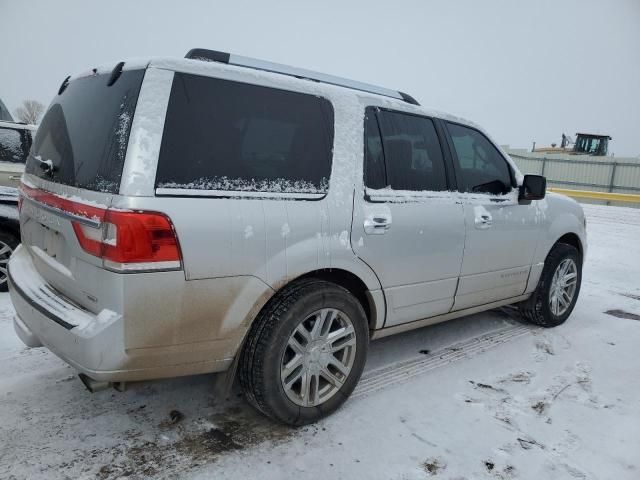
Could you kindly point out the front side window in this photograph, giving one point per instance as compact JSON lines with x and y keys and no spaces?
{"x":224,"y":135}
{"x":14,"y":145}
{"x":481,"y":167}
{"x":402,"y":152}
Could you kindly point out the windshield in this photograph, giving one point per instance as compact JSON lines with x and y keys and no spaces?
{"x":591,"y":145}
{"x":82,"y":139}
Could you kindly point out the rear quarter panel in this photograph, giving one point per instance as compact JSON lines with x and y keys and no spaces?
{"x":270,"y":240}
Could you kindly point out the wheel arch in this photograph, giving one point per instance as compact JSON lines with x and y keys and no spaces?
{"x":572,"y":239}
{"x":372,"y":302}
{"x":565,"y":228}
{"x":369,"y":301}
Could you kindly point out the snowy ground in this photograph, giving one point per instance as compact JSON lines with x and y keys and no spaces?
{"x":488,"y":397}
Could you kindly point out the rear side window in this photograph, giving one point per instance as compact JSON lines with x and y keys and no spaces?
{"x":223,"y":135}
{"x":82,"y":139}
{"x":480,"y":165}
{"x":409,"y":149}
{"x":14,"y":145}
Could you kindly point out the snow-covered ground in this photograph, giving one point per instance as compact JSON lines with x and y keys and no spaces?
{"x":481,"y":397}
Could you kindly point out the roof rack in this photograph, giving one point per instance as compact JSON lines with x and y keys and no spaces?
{"x":240,"y":61}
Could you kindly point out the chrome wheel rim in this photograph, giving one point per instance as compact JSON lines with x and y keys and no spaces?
{"x":563,"y":287}
{"x":318,"y":357}
{"x":5,"y":254}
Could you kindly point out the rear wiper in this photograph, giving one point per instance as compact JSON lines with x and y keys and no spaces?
{"x":47,"y":165}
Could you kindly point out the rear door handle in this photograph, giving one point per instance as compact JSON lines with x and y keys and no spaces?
{"x":377,"y":224}
{"x":15,"y":177}
{"x":483,"y":221}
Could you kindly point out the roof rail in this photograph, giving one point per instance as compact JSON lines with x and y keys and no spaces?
{"x":240,"y":61}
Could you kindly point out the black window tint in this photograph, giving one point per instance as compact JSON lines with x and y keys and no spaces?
{"x":223,"y":135}
{"x":374,"y":172}
{"x":481,"y":166}
{"x":14,"y":145}
{"x":85,"y":132}
{"x":412,"y":152}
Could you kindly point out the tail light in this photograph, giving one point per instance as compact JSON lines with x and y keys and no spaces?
{"x":129,"y":241}
{"x":126,"y":241}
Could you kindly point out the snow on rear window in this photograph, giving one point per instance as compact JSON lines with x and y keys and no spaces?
{"x":279,"y":185}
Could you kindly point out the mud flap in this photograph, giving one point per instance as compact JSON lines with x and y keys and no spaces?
{"x":223,"y":383}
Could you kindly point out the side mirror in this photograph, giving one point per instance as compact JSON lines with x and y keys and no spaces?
{"x":534,"y":187}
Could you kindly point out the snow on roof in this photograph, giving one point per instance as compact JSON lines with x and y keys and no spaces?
{"x":211,"y":68}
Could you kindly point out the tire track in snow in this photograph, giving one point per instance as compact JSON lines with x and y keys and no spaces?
{"x":399,"y":372}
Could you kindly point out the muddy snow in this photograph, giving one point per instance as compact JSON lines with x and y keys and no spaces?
{"x":481,"y":397}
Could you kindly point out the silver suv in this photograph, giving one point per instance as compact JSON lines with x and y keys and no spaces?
{"x":219,"y":213}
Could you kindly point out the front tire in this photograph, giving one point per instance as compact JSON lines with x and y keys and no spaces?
{"x":305,"y":352}
{"x":558,"y":288}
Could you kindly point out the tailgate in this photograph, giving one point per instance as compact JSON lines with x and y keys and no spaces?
{"x":47,"y":226}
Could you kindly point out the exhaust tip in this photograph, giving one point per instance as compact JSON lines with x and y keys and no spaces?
{"x":93,"y":385}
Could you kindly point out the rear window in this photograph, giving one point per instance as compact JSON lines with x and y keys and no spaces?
{"x":223,"y":135}
{"x":82,"y":139}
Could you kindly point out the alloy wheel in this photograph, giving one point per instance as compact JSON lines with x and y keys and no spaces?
{"x":563,"y":286}
{"x":5,"y":254}
{"x":318,"y":357}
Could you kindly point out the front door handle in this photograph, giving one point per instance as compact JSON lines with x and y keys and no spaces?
{"x":483,"y":220}
{"x":377,"y":224}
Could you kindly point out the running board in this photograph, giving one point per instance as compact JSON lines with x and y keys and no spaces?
{"x":405,"y":327}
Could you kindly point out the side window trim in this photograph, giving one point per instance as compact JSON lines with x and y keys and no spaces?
{"x":454,"y":154}
{"x":450,"y":177}
{"x":372,"y":110}
{"x":448,"y":152}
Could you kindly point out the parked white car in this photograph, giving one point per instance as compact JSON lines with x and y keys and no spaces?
{"x":225,"y":214}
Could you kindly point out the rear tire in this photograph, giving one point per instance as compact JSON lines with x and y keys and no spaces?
{"x":8,"y":243}
{"x":558,"y":288}
{"x":313,"y":330}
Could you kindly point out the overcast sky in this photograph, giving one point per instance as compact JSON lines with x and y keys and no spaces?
{"x":526,"y":71}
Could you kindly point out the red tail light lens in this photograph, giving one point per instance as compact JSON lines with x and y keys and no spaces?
{"x":129,"y":241}
{"x":125,"y":240}
{"x":139,"y":237}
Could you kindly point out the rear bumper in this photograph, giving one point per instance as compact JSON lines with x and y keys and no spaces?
{"x":26,"y":335}
{"x":95,"y":344}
